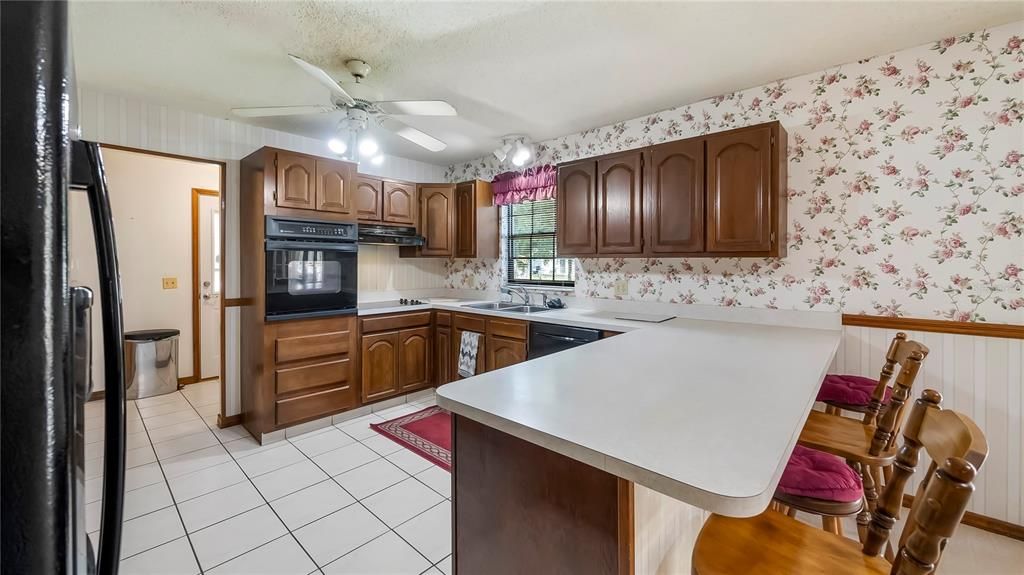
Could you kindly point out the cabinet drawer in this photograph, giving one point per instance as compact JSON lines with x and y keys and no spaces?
{"x":293,"y":379}
{"x":310,"y":346}
{"x":471,"y":323}
{"x":314,"y":405}
{"x":444,"y":318}
{"x":391,"y":322}
{"x":507,"y":328}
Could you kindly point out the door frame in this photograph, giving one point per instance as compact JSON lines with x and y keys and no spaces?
{"x":222,"y":419}
{"x":197,"y":323}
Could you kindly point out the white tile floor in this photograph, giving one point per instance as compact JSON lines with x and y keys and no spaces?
{"x":338,"y":500}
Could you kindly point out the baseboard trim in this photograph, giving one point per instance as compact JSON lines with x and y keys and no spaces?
{"x":983,"y":522}
{"x":228,"y":420}
{"x":97,"y":395}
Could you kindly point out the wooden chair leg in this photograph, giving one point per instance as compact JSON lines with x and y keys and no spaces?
{"x":791,"y":512}
{"x":832,"y":524}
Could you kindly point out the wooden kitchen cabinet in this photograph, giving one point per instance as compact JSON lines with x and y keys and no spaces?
{"x":740,"y":189}
{"x":333,"y":191}
{"x":676,"y":198}
{"x":437,"y":206}
{"x":415,"y":347}
{"x":620,"y":204}
{"x":397,"y":354}
{"x":368,"y":198}
{"x":399,"y":205}
{"x":296,"y":181}
{"x":442,"y":348}
{"x":379,"y":356}
{"x":503,"y":352}
{"x":577,"y":209}
{"x":457,"y":220}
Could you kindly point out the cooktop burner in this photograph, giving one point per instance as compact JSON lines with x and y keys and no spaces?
{"x":391,"y":303}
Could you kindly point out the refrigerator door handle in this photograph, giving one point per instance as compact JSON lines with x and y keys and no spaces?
{"x":109,"y":553}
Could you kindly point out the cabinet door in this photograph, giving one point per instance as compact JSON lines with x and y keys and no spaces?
{"x":443,"y":355}
{"x":503,"y":352}
{"x":739,"y":191}
{"x":399,"y":205}
{"x":675,"y":204}
{"x":620,"y":204}
{"x":380,"y":365}
{"x":414,"y":359}
{"x":333,"y":193}
{"x":296,"y":181}
{"x":481,"y":354}
{"x":465,"y":220}
{"x":436,"y":220}
{"x":577,"y":209}
{"x":367,"y":198}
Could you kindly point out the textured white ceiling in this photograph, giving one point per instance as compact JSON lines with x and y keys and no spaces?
{"x":541,"y":68}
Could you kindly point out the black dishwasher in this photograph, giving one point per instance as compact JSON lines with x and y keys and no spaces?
{"x":547,"y":338}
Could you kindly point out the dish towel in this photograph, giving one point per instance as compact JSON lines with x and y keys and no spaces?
{"x":468,"y":346}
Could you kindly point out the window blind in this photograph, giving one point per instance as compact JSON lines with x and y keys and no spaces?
{"x":531,"y":246}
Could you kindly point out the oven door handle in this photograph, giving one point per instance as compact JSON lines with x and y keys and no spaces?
{"x":311,"y":246}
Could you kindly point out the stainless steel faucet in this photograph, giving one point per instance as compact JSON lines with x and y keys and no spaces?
{"x":521,"y":291}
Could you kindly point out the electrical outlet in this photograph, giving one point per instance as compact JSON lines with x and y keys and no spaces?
{"x":621,"y":288}
{"x":170,"y":283}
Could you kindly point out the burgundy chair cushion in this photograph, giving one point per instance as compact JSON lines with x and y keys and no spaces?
{"x":813,"y":473}
{"x":849,"y":389}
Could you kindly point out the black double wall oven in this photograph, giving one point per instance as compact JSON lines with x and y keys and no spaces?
{"x":311,"y":268}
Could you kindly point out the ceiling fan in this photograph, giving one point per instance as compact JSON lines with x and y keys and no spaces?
{"x":361,"y":105}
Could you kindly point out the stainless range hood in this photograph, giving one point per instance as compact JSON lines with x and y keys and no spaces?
{"x":385,"y":235}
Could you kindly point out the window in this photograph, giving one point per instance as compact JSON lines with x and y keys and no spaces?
{"x":530,"y":246}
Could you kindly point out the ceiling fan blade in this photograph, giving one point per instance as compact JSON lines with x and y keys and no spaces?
{"x":281,"y":111}
{"x":323,"y":78}
{"x":418,"y":108}
{"x":412,"y":134}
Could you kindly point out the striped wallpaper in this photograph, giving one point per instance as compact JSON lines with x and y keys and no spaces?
{"x":980,"y":377}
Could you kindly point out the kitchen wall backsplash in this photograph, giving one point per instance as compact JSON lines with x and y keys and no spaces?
{"x":906,"y":189}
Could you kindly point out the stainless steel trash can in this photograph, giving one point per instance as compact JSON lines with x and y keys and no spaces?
{"x":150,"y":362}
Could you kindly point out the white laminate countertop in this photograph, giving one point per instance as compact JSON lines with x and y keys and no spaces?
{"x":704,"y":411}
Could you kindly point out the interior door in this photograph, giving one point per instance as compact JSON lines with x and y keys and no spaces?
{"x":210,"y":288}
{"x":399,"y":205}
{"x":436,"y":219}
{"x":576,"y":209}
{"x":620,"y":204}
{"x":296,"y":181}
{"x":739,"y":191}
{"x":676,"y":198}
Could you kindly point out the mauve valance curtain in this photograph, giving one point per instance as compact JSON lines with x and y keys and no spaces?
{"x":530,"y":185}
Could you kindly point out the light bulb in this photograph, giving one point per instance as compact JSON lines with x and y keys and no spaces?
{"x":521,"y":155}
{"x":367,"y":146}
{"x":377,"y":160}
{"x":337,"y":146}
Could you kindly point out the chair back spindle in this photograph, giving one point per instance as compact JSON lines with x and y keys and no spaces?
{"x":900,"y":349}
{"x":889,"y":424}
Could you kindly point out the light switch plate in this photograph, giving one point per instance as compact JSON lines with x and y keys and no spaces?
{"x":621,"y":288}
{"x":170,"y":283}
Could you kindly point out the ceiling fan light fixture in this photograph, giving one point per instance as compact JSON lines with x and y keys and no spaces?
{"x":368,"y":146}
{"x":337,"y":146}
{"x":377,"y":160}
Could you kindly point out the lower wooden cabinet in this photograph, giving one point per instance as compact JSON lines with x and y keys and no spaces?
{"x":379,"y":355}
{"x":443,"y":355}
{"x":502,"y":341}
{"x":503,"y":352}
{"x":414,"y":358}
{"x":398,"y":360}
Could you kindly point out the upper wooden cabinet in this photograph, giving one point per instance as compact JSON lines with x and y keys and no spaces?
{"x":296,"y":181}
{"x":437,"y":224}
{"x":676,"y":198}
{"x":740,"y":191}
{"x":333,"y":191}
{"x":577,"y":209}
{"x":620,"y":204}
{"x":368,"y":198}
{"x":716,"y":195}
{"x":399,"y":203}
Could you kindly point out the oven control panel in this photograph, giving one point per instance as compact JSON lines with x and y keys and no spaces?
{"x":310,"y":229}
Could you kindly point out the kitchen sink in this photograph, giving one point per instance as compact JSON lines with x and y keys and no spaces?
{"x":508,"y":306}
{"x":502,"y":305}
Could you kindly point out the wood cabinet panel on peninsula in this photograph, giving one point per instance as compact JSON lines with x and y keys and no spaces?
{"x":714,"y":195}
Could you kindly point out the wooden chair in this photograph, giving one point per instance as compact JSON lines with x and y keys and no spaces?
{"x":832,"y":388}
{"x":868,"y":448}
{"x":772,"y":543}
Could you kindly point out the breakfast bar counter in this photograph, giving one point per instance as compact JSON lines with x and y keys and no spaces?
{"x":606,"y":458}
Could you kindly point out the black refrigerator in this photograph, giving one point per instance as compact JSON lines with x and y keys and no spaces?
{"x":45,"y":336}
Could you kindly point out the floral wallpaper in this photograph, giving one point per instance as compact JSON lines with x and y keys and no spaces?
{"x":906,"y":189}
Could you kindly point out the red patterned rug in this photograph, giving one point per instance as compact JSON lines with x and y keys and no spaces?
{"x":427,"y":433}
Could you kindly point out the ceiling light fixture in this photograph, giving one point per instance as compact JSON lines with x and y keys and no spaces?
{"x":522,"y":154}
{"x":514,"y":147}
{"x":377,"y":160}
{"x":502,"y":152}
{"x":368,"y":146}
{"x":337,"y":146}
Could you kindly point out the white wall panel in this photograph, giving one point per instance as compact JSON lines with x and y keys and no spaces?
{"x":980,"y":377}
